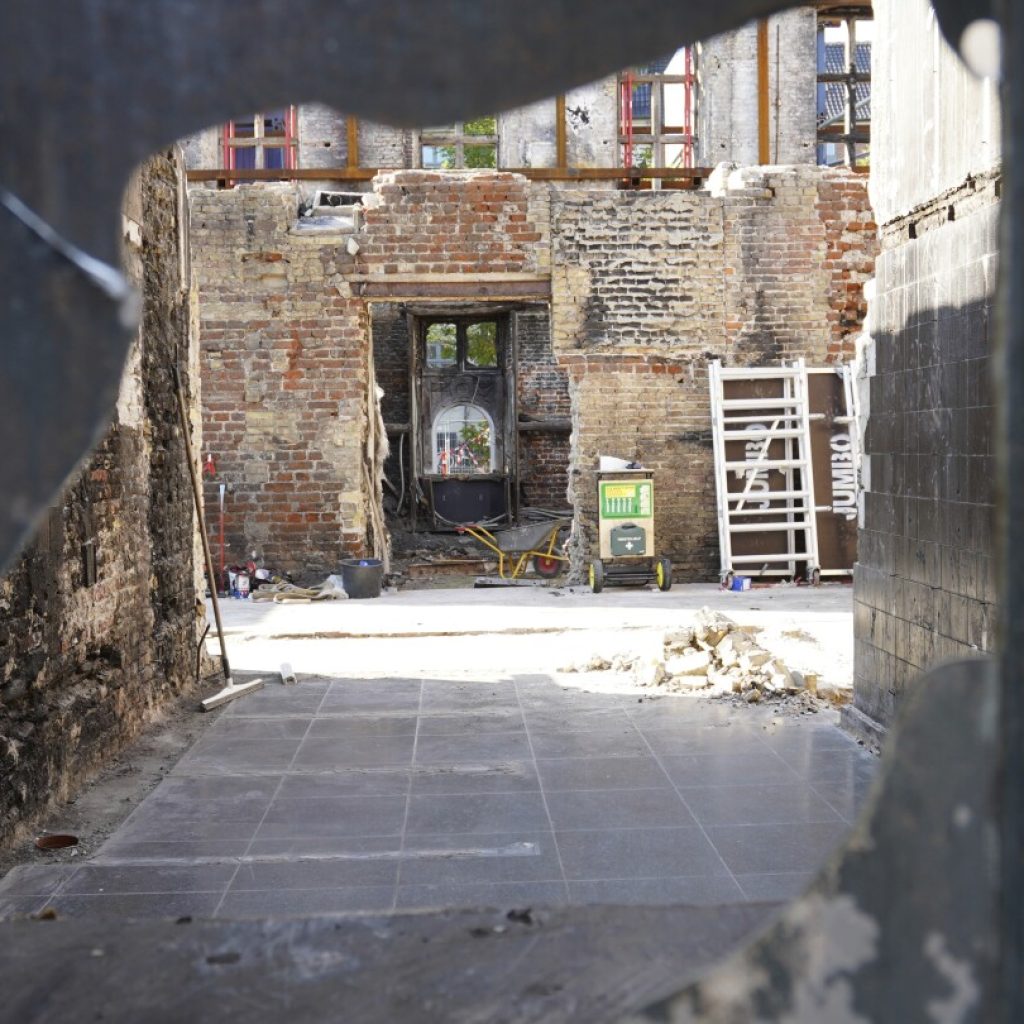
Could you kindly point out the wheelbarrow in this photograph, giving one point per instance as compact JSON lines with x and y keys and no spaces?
{"x":516,"y":546}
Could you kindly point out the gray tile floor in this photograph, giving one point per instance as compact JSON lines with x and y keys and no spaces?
{"x":334,"y":796}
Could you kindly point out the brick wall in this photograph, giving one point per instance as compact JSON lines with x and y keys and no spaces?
{"x":427,"y":224}
{"x":82,"y":666}
{"x":543,"y":394}
{"x":648,"y":287}
{"x":284,"y":363}
{"x":925,"y":582}
{"x":422,"y":222}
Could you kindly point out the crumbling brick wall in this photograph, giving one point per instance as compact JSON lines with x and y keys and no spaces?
{"x":647,"y":288}
{"x":543,"y":397}
{"x":441,"y":225}
{"x":284,"y":352}
{"x":427,"y":222}
{"x":83,"y":663}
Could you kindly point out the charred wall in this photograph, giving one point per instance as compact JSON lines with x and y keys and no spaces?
{"x":769,"y":264}
{"x":98,"y":620}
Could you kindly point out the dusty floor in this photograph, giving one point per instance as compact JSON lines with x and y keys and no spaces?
{"x":463,"y":632}
{"x":429,"y":757}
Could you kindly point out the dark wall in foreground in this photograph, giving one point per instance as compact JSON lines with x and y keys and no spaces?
{"x":85,"y":660}
{"x":925,"y":582}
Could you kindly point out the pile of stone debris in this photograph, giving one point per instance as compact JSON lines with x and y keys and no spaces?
{"x":719,"y":658}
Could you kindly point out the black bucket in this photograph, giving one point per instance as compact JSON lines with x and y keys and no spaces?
{"x":362,"y":577}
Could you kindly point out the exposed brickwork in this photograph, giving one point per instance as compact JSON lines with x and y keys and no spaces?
{"x":421,"y":222}
{"x":284,"y":364}
{"x":543,"y":395}
{"x":925,"y":582}
{"x":83,"y":667}
{"x":648,"y":287}
{"x":851,"y":248}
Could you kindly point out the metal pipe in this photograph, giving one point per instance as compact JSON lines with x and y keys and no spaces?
{"x":198,"y":499}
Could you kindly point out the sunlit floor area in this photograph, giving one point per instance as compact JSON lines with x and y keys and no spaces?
{"x":501,"y":789}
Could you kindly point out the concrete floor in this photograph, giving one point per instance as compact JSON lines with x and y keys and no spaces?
{"x":432,"y":770}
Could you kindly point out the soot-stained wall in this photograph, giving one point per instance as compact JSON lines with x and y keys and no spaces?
{"x":85,"y":660}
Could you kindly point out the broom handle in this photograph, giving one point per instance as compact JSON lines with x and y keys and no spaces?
{"x":197,"y":498}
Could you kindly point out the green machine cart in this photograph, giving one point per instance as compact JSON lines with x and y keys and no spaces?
{"x":625,"y":502}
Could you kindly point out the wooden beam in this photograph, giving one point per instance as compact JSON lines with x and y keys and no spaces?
{"x":533,"y":173}
{"x":295,"y":174}
{"x":352,"y":131}
{"x":763,"y":87}
{"x":561,"y":158}
{"x":544,"y":426}
{"x":413,"y":291}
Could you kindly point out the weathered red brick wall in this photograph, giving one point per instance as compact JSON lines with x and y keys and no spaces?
{"x":84,"y":664}
{"x":428,"y":224}
{"x":647,"y":288}
{"x":284,"y":349}
{"x":650,"y":287}
{"x":851,"y":248}
{"x":543,"y":394}
{"x":423,"y":222}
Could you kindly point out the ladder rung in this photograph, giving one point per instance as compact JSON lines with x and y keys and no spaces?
{"x":756,"y":417}
{"x":756,"y":464}
{"x":766,"y":511}
{"x":759,"y":435}
{"x":746,"y":372}
{"x":767,"y":527}
{"x":767,"y":496}
{"x":761,"y":403}
{"x":782,"y":556}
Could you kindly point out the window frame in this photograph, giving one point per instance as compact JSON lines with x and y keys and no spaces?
{"x":259,"y":142}
{"x":456,"y":136}
{"x":438,"y":465}
{"x":656,"y":134}
{"x":847,"y":134}
{"x":462,"y":325}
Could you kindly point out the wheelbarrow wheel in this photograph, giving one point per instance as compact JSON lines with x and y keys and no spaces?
{"x":597,"y":576}
{"x":544,"y":565}
{"x":663,"y":574}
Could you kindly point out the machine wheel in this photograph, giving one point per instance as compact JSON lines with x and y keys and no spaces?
{"x":597,"y":576}
{"x":727,"y":578}
{"x":663,"y":574}
{"x":547,"y":567}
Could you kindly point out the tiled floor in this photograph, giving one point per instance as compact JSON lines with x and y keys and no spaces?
{"x":336,"y":796}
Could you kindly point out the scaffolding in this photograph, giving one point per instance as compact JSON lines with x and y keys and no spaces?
{"x":657,"y":113}
{"x":844,"y":84}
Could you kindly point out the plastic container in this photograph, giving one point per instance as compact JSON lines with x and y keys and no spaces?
{"x":362,"y":577}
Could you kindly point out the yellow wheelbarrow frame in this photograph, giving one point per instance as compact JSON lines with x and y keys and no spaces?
{"x":516,"y":546}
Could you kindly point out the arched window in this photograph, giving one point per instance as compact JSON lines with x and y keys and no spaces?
{"x":463,"y":441}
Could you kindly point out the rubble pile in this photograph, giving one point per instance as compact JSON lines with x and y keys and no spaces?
{"x":719,"y":658}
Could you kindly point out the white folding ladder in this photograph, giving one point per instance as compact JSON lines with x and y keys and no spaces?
{"x":790,"y":510}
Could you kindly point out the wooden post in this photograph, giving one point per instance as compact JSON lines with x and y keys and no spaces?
{"x":352,"y":128}
{"x":561,"y":160}
{"x":763,"y":147}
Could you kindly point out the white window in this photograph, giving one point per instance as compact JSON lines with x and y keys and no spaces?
{"x":463,"y":441}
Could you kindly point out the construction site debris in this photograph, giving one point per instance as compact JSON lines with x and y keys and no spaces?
{"x":720,"y":658}
{"x":331,"y":589}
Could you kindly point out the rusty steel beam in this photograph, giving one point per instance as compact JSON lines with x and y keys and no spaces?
{"x":561,"y":158}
